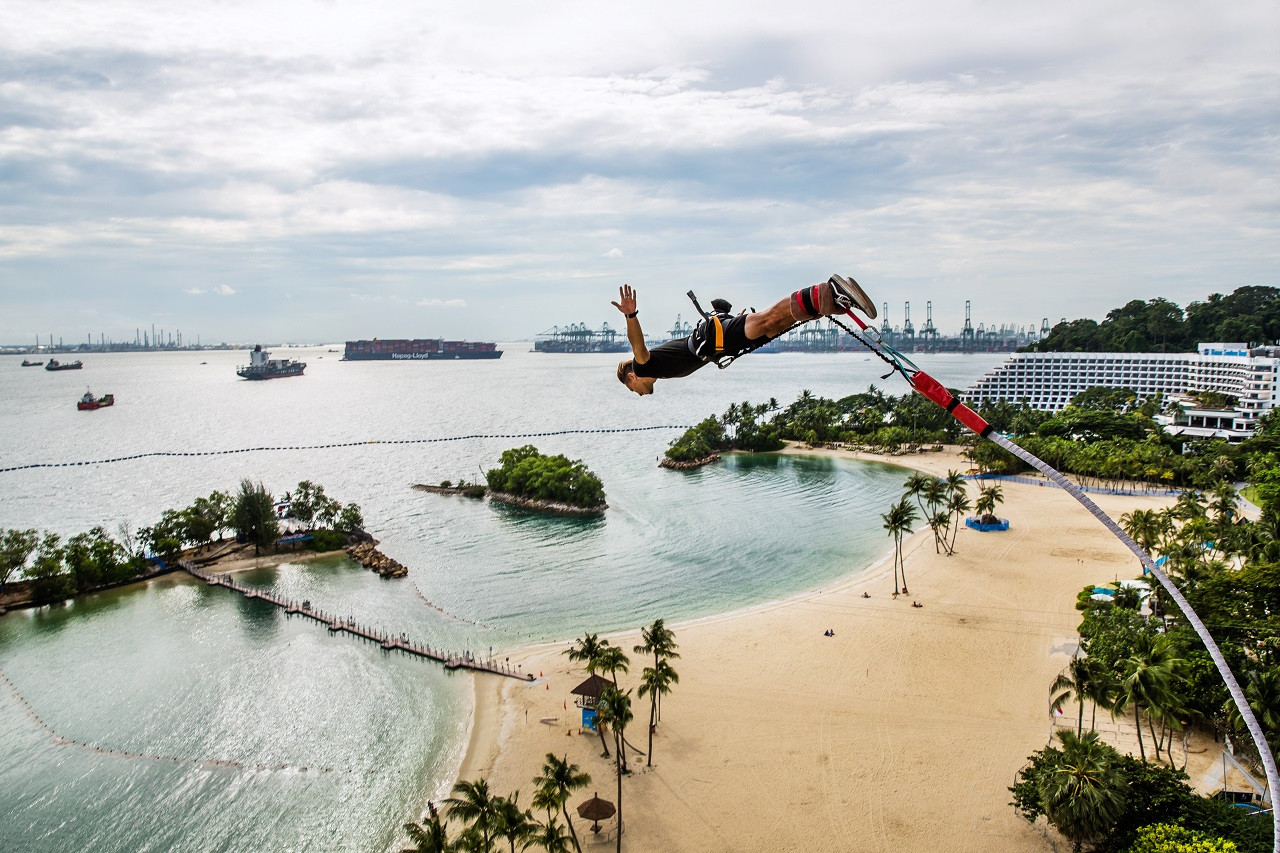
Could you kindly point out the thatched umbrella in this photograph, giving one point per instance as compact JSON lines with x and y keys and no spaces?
{"x":596,"y":810}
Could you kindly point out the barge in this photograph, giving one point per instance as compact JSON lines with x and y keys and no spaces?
{"x":418,"y":349}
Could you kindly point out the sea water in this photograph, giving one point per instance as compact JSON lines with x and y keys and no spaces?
{"x":174,"y":716}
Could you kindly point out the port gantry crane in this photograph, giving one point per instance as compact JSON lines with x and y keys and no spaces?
{"x":966,"y":335}
{"x":930,"y":332}
{"x":908,"y":330}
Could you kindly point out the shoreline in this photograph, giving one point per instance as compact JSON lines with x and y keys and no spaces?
{"x":226,"y":564}
{"x":908,"y":732}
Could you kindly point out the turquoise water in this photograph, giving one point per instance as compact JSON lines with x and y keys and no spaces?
{"x":235,"y":698}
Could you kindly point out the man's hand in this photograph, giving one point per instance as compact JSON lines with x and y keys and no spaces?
{"x":626,"y":300}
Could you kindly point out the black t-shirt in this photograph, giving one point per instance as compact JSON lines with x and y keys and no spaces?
{"x":669,"y":361}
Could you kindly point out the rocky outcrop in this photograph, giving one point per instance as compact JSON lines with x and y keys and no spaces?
{"x":689,"y":464}
{"x":471,"y":490}
{"x":368,"y":555}
{"x":547,"y":506}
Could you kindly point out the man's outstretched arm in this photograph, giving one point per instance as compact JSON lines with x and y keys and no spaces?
{"x":635,"y":335}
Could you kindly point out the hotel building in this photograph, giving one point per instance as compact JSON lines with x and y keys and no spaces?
{"x":1048,"y":381}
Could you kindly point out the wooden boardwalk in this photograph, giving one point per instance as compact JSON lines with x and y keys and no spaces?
{"x":336,"y":624}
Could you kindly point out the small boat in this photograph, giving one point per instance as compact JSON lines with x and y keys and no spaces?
{"x":26,"y":363}
{"x":88,"y":402}
{"x":54,"y":364}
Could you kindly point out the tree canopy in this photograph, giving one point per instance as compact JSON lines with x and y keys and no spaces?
{"x":1248,"y":314}
{"x":527,"y":473}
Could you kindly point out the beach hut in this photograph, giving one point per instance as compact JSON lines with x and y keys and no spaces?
{"x":588,"y":693}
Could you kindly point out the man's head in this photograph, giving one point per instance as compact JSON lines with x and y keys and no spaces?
{"x":641,"y":385}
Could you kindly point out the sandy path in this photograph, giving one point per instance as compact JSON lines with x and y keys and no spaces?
{"x":900,"y":733}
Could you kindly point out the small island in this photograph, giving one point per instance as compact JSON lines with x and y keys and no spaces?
{"x":702,"y":444}
{"x":548,"y":483}
{"x":531,"y":480}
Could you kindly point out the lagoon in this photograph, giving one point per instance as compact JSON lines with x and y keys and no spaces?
{"x":198,"y":675}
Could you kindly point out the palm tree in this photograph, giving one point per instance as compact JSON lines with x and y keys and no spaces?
{"x":957,"y":503}
{"x":655,"y":682}
{"x":1085,"y":794}
{"x":1223,"y":505}
{"x":898,"y":522}
{"x":430,"y":836}
{"x":1147,"y":681}
{"x":1074,"y":682}
{"x":1103,"y":690}
{"x":510,"y":822}
{"x":660,"y":641}
{"x":986,"y":504}
{"x":915,"y":486}
{"x":474,"y":805}
{"x":558,"y":781}
{"x":1188,"y":506}
{"x":586,"y":650}
{"x":1145,"y":527}
{"x":1262,"y":689}
{"x":612,"y":660}
{"x":615,"y":710}
{"x":551,"y":838}
{"x":935,"y":496}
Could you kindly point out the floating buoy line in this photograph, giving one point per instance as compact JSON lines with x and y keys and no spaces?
{"x":203,"y":763}
{"x":333,"y":446}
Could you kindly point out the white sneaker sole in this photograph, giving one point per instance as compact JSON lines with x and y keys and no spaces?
{"x":849,"y":288}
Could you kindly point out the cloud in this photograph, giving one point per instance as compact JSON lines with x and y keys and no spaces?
{"x":442,"y":303}
{"x":225,"y":290}
{"x":1038,"y":160}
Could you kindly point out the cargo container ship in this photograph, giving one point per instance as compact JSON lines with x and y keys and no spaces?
{"x":263,"y":366}
{"x":419,"y":349}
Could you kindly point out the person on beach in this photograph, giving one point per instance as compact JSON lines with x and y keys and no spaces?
{"x":720,"y":335}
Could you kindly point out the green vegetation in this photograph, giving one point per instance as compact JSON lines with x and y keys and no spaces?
{"x":1120,"y":804}
{"x":488,"y":821}
{"x":1149,"y":666}
{"x":254,"y":516}
{"x":526,"y":473}
{"x":941,"y":502}
{"x":1249,"y":315}
{"x":56,"y":570}
{"x":1107,"y":440}
{"x":657,"y":680}
{"x":871,"y":419}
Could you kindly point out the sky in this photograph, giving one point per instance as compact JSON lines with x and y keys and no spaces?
{"x":279,"y":170}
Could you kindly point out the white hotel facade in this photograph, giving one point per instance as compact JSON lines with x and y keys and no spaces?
{"x":1048,"y":381}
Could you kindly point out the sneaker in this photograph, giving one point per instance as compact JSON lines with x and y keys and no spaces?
{"x":848,"y":291}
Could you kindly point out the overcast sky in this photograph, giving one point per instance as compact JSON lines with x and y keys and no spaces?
{"x":318,"y":171}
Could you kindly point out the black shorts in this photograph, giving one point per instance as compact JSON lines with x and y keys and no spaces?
{"x":674,"y":359}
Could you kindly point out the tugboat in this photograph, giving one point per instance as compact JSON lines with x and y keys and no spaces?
{"x":54,"y":364}
{"x":262,"y":366}
{"x":26,"y":363}
{"x":88,"y":402}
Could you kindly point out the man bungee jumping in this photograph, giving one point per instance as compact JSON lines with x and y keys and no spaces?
{"x":721,"y":336}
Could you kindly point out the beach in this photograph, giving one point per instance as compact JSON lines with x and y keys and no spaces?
{"x":902,"y":732}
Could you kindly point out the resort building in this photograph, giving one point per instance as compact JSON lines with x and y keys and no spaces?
{"x":1248,"y":377}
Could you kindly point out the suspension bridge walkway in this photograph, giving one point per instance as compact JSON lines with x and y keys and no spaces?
{"x":337,"y":624}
